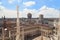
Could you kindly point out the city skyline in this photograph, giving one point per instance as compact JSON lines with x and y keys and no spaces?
{"x":49,"y":8}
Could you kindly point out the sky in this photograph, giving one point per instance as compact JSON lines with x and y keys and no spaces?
{"x":49,"y":8}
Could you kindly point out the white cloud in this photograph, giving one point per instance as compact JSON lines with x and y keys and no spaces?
{"x":49,"y":12}
{"x":46,"y":11}
{"x":16,"y":1}
{"x":0,"y":3}
{"x":28,"y":10}
{"x":19,"y":1}
{"x":8,"y":13}
{"x":43,"y":7}
{"x":1,"y":8}
{"x":32,"y":11}
{"x":11,"y":1}
{"x":29,"y":3}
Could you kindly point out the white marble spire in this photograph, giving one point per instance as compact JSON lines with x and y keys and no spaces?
{"x":18,"y":25}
